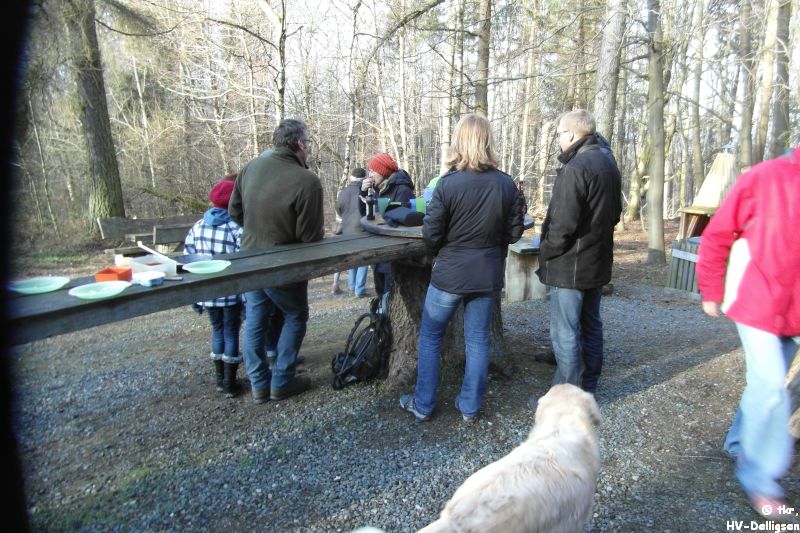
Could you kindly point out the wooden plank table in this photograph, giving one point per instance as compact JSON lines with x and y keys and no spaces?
{"x":33,"y":317}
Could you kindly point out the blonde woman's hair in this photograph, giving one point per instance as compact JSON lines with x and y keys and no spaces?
{"x":579,"y":121}
{"x":471,"y":148}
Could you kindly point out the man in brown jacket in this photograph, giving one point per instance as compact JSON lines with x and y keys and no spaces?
{"x":277,"y":200}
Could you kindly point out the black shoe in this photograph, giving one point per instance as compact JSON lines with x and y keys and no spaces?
{"x":260,"y":396}
{"x":230,"y":385}
{"x":297,"y":386}
{"x":219,"y":374}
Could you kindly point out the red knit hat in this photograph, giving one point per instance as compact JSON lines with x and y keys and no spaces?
{"x":220,"y":195}
{"x":383,"y":164}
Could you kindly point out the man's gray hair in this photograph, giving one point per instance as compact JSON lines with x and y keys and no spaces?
{"x":580,"y":122}
{"x":288,"y":133}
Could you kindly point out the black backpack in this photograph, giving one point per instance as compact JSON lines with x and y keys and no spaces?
{"x":366,"y":353}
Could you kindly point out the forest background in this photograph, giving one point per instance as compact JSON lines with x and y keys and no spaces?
{"x":136,"y":107}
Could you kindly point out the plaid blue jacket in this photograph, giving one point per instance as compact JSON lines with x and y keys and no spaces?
{"x":213,"y":234}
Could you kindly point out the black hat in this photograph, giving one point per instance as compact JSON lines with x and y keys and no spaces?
{"x":359,"y":173}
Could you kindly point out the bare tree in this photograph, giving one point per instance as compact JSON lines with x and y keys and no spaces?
{"x":105,"y":199}
{"x":484,"y":46}
{"x":605,"y":99}
{"x":780,"y":102}
{"x":655,"y":130}
{"x":747,"y":58}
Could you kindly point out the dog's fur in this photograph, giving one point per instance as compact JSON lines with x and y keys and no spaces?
{"x":544,"y":484}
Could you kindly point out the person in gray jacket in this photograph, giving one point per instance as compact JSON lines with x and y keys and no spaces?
{"x":577,"y":248}
{"x":348,"y":208}
{"x":277,"y":200}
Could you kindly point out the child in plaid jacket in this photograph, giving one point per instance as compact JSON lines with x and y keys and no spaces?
{"x":217,"y":233}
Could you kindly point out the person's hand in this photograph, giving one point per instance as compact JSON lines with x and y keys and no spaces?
{"x":366,"y":183}
{"x":711,"y":309}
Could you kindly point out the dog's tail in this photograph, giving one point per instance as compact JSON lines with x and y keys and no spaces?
{"x":442,"y":525}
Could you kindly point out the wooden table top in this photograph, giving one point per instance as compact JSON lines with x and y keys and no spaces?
{"x":380,"y":227}
{"x":33,"y":317}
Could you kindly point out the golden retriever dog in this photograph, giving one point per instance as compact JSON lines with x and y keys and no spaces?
{"x":544,"y":484}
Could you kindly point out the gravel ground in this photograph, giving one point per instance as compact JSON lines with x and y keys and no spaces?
{"x":120,"y":429}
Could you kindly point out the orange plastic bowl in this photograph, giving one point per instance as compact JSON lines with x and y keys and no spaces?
{"x":114,"y":274}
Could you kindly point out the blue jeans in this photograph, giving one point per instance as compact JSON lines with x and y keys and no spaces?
{"x":357,"y":279}
{"x":577,"y":334}
{"x":225,"y":325}
{"x":439,"y":309}
{"x":273,"y":327}
{"x":759,"y":435}
{"x":292,"y":302}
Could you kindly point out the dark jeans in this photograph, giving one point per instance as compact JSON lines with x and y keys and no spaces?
{"x":292,"y":302}
{"x":577,"y":334}
{"x":225,"y":325}
{"x":383,"y":280}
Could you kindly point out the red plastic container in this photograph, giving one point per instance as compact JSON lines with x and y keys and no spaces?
{"x":114,"y":274}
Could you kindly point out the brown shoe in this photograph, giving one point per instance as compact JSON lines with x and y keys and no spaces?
{"x":336,"y":290}
{"x":298,"y":385}
{"x":260,"y":396}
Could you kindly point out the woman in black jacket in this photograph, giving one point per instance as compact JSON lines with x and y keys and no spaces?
{"x":476,"y":211}
{"x":393,"y":183}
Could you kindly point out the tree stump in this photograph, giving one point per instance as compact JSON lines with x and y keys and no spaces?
{"x":410,"y":284}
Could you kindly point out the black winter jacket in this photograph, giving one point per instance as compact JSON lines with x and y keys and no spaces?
{"x":470,"y":221}
{"x":397,"y":188}
{"x":577,"y":246}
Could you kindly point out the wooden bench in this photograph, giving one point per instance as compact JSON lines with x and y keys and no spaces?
{"x":682,"y":276}
{"x":166,"y":233}
{"x":522,"y":283}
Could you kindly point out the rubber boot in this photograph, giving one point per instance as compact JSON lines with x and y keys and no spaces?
{"x":219,"y":374}
{"x":230,"y":386}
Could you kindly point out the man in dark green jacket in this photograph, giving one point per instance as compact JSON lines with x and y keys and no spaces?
{"x":277,"y":200}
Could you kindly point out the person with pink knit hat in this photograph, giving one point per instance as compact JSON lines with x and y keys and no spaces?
{"x":394,"y":183}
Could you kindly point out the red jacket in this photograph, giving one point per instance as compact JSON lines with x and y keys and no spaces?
{"x":762,"y":212}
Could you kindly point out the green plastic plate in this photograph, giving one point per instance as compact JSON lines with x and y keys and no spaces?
{"x":38,"y":285}
{"x":207,"y":267}
{"x":99,"y":290}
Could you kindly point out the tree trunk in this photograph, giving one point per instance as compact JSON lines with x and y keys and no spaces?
{"x":105,"y":196}
{"x":642,"y":163}
{"x":767,"y":72}
{"x":748,"y":101}
{"x":45,"y":173}
{"x":353,"y":96}
{"x":781,"y":131}
{"x":145,"y":125}
{"x":484,"y":45}
{"x":409,"y":284}
{"x":402,"y":156}
{"x":605,"y":99}
{"x":655,"y":129}
{"x":698,"y":166}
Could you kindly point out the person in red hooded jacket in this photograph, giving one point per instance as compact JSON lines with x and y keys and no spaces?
{"x":749,"y":268}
